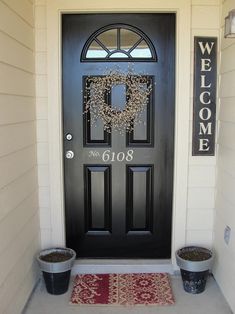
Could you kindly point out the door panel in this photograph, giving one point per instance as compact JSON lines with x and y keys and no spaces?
{"x":118,"y":188}
{"x":98,"y":205}
{"x":139,"y":210}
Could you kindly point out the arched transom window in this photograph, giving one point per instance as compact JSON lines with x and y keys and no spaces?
{"x":119,"y":43}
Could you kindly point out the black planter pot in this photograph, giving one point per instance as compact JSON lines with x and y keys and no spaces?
{"x":195,"y":263}
{"x":57,"y":283}
{"x":56,"y":274}
{"x":194,"y":282}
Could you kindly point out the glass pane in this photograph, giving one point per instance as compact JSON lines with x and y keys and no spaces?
{"x":109,"y":39}
{"x":142,"y":51}
{"x":95,"y":51}
{"x":128,"y":39}
{"x":118,"y":96}
{"x":96,"y":129}
{"x":118,"y":55}
{"x":96,"y":125}
{"x":140,"y":129}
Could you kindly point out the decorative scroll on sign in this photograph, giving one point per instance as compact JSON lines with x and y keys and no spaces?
{"x":204,"y":97}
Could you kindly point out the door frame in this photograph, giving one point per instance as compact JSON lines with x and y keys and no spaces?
{"x":55,"y":9}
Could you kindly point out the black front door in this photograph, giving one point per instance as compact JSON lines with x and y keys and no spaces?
{"x":118,"y":184}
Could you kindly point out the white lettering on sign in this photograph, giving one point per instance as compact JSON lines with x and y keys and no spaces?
{"x":205,"y":65}
{"x":205,"y":129}
{"x":206,"y":47}
{"x":205,"y":113}
{"x":203,"y":82}
{"x":204,"y":96}
{"x":203,"y":144}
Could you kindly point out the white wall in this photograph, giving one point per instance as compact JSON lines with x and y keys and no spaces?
{"x":224,"y":269}
{"x":19,"y":221}
{"x":201,"y":180}
{"x":42,"y":122}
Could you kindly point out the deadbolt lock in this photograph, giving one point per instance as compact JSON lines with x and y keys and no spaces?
{"x":69,"y":154}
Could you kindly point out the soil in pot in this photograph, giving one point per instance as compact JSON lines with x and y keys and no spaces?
{"x":195,"y":255}
{"x":56,"y":257}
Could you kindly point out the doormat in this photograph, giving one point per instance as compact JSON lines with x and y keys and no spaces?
{"x":122,"y":289}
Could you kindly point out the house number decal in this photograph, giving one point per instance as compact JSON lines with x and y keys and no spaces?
{"x":204,"y":96}
{"x":109,"y":156}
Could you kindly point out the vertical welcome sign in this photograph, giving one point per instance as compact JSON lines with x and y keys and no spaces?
{"x":204,"y":96}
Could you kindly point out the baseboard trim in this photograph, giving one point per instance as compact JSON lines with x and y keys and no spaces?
{"x":97,"y":266}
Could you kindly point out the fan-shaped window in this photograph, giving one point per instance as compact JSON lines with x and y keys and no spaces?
{"x":119,"y":43}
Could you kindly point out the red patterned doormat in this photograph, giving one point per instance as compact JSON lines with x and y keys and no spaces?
{"x":122,"y":289}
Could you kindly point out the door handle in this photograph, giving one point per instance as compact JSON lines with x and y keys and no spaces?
{"x":69,"y":154}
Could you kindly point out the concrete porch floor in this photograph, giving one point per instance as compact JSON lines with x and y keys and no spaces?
{"x":209,"y":302}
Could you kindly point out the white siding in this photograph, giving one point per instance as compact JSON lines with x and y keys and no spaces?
{"x":201,"y":180}
{"x":224,"y":270}
{"x":42,"y":123}
{"x":19,"y":217}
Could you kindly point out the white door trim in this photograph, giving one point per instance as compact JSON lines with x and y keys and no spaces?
{"x":182,"y":8}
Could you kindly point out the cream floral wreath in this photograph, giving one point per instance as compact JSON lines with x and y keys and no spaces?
{"x":137,"y":93}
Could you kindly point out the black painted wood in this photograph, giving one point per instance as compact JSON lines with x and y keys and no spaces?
{"x":139,"y":181}
{"x":204,"y":96}
{"x":119,"y":209}
{"x":97,"y":195}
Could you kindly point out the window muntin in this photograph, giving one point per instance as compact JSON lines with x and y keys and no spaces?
{"x":118,"y":43}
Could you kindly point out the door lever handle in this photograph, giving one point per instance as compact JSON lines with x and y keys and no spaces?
{"x":69,"y":154}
